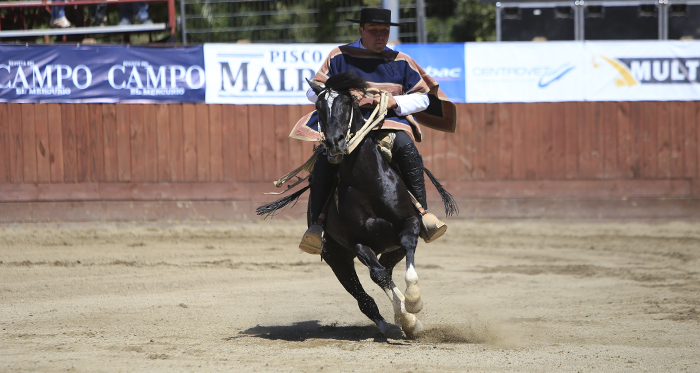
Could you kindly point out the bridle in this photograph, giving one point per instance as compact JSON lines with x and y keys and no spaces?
{"x":370,"y":123}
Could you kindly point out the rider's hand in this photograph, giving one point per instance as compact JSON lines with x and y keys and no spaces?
{"x":391,"y":103}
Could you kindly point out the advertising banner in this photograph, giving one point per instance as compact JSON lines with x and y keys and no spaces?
{"x":444,"y":62}
{"x":524,"y":72}
{"x":261,"y":73}
{"x":101,"y":74}
{"x":642,"y":71}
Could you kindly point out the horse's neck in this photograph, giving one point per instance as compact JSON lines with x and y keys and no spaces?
{"x":360,"y":166}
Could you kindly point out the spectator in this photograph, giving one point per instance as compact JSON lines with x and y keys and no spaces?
{"x":128,"y":10}
{"x":58,"y":17}
{"x":97,"y":14}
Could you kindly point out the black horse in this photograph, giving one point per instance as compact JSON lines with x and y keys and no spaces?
{"x":371,"y":216}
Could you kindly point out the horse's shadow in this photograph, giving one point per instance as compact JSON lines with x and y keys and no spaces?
{"x":301,"y":331}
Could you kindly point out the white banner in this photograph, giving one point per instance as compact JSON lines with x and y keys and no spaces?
{"x":261,"y":73}
{"x":642,"y":71}
{"x":524,"y":72}
{"x":577,"y":71}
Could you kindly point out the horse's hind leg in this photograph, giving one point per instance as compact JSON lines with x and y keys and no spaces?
{"x":343,"y":266}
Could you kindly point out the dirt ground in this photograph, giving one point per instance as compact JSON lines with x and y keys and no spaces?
{"x":526,"y":296}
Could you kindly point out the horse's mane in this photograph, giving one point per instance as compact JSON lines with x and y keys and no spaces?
{"x":346,"y":81}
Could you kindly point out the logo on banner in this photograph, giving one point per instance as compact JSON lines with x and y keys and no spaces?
{"x":27,"y":78}
{"x":143,"y":79}
{"x":140,"y":78}
{"x":274,"y":72}
{"x":640,"y":71}
{"x":543,"y":75}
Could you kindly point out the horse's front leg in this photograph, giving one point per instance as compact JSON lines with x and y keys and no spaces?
{"x":382,"y":277}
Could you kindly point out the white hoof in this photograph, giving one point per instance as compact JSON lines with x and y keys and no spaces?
{"x":416,"y":330}
{"x":414,"y":304}
{"x":408,"y":322}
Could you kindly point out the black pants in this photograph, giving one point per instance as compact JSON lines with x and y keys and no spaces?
{"x":405,"y":155}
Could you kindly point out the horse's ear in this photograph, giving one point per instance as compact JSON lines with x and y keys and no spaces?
{"x":315,"y":87}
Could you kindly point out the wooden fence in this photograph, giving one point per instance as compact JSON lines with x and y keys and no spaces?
{"x":197,"y":161}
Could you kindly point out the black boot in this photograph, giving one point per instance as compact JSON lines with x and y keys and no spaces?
{"x":410,"y":163}
{"x":322,"y":183}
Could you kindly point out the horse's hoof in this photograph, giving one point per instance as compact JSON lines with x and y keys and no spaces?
{"x":414,"y":307}
{"x":409,"y":322}
{"x":416,"y":330}
{"x":390,"y":331}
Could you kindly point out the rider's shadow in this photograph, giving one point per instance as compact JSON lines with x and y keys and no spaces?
{"x":301,"y":331}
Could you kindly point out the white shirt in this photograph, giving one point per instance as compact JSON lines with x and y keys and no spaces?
{"x":406,"y":104}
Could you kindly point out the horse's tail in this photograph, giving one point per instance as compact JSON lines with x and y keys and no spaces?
{"x":271,"y":208}
{"x":449,"y":202}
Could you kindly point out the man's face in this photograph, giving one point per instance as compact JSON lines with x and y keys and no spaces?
{"x":375,"y":36}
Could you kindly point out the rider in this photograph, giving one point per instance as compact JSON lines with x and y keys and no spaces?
{"x":410,"y":87}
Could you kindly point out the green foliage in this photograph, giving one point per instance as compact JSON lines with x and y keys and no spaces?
{"x":469,"y":20}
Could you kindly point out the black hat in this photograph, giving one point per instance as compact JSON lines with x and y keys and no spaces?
{"x":375,"y":15}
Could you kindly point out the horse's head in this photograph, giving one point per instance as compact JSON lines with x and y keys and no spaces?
{"x":336,"y":106}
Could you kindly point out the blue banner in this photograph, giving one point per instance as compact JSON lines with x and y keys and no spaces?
{"x":444,"y":62}
{"x":99,"y":73}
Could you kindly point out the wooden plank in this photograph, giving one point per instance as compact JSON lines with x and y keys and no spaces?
{"x":531,"y":156}
{"x":123,"y":143}
{"x":505,"y":141}
{"x":162,"y":123}
{"x":571,"y":145}
{"x":28,"y":144}
{"x":558,"y":153}
{"x":453,"y":167}
{"x":109,"y":139}
{"x":202,"y":135}
{"x":625,"y":146}
{"x":281,"y":142}
{"x":82,"y":142}
{"x":647,"y":154}
{"x":637,"y":133}
{"x":602,"y":113}
{"x":242,"y":141}
{"x":608,"y":131}
{"x":663,"y":144}
{"x":189,"y":140}
{"x":677,"y":129}
{"x":491,"y":140}
{"x":520,"y":118}
{"x":55,"y":118}
{"x":97,"y":149}
{"x":138,"y":145}
{"x":544,"y":141}
{"x":177,"y":144}
{"x":216,"y":161}
{"x":150,"y":141}
{"x":583,"y":113}
{"x":4,"y":144}
{"x":16,"y":156}
{"x":228,"y":151}
{"x":267,"y":124}
{"x":463,"y":143}
{"x":439,"y":141}
{"x":295,"y":146}
{"x":43,"y":165}
{"x":70,"y":152}
{"x":690,"y":144}
{"x":255,"y":141}
{"x":477,"y":114}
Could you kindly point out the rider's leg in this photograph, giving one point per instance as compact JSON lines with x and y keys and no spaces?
{"x":322,"y":181}
{"x":406,"y":155}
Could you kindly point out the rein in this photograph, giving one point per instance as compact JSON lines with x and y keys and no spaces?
{"x":371,"y":122}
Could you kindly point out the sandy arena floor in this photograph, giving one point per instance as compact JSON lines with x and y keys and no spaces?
{"x":526,"y":296}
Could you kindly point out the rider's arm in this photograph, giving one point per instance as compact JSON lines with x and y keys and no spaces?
{"x":411,"y":103}
{"x":311,"y":95}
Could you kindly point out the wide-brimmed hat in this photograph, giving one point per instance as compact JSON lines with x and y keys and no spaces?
{"x":375,"y":15}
